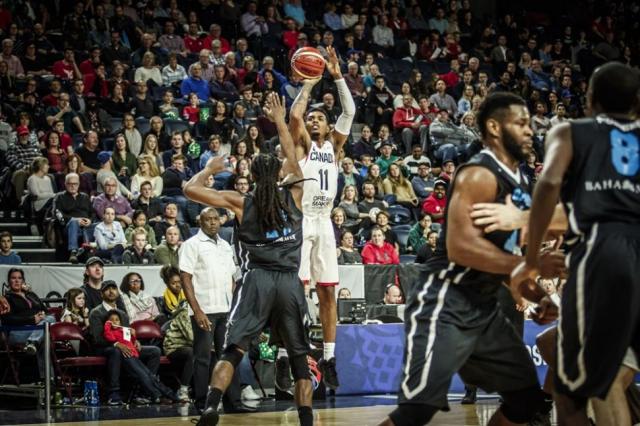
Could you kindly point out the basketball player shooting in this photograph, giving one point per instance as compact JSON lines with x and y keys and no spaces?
{"x":317,"y":148}
{"x":269,"y":233}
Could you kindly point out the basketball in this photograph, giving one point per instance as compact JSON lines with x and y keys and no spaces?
{"x":308,"y":62}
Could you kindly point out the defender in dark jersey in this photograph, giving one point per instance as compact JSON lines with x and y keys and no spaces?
{"x":269,"y":232}
{"x":453,"y":321}
{"x":593,"y":165}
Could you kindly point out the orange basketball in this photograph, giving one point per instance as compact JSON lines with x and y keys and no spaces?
{"x":308,"y":62}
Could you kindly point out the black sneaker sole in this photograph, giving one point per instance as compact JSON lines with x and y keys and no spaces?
{"x":210,"y":417}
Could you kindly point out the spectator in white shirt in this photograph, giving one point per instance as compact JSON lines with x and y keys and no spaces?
{"x":207,"y":269}
{"x":173,"y":73}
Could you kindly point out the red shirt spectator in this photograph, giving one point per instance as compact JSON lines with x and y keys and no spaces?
{"x":436,"y":203}
{"x":378,"y":251}
{"x":214,"y":34}
{"x":115,"y":333}
{"x":406,"y":115}
{"x":290,"y":35}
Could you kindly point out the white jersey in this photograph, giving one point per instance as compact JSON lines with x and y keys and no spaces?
{"x":321,"y":168}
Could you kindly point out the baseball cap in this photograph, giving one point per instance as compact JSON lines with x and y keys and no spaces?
{"x":92,"y":260}
{"x":104,"y":156}
{"x":386,"y":143}
{"x":22,"y":130}
{"x":108,"y":283}
{"x":441,"y":182}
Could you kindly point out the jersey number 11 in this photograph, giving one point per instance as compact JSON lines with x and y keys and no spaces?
{"x":324,"y":179}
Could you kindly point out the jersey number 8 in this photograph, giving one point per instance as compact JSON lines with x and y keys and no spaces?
{"x":625,"y":152}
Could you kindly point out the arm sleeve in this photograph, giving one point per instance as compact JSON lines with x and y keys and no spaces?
{"x":108,"y":333}
{"x":343,"y":124}
{"x":187,"y":257}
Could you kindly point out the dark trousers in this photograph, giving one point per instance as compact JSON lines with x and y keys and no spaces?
{"x":149,"y":355}
{"x":203,"y":363}
{"x":148,"y":380}
{"x":184,"y":358}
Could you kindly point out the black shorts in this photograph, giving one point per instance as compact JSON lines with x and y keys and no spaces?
{"x":600,"y":310}
{"x":268,"y":298}
{"x":450,"y":330}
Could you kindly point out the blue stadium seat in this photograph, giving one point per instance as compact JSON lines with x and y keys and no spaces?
{"x":175,"y":126}
{"x":142,"y":124}
{"x":402,"y":232}
{"x":399,"y":215}
{"x":407,"y":258}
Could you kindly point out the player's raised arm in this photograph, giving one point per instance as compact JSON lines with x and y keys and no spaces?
{"x":297,"y":125}
{"x":467,"y":246}
{"x":342,"y":129}
{"x":275,"y":111}
{"x":196,"y":190}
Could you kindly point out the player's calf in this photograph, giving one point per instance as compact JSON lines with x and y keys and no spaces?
{"x":410,"y":415}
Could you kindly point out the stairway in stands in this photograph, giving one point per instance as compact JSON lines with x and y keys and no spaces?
{"x":29,"y":247}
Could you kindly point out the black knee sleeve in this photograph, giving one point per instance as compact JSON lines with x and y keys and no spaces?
{"x":299,"y":367}
{"x":521,"y":406}
{"x":412,"y":414}
{"x":232,"y":355}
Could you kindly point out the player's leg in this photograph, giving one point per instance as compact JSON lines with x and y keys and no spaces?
{"x":546,"y":342}
{"x":614,"y":410}
{"x":501,"y":363}
{"x":288,"y":325}
{"x":248,"y":317}
{"x":324,"y":271}
{"x":435,"y":349}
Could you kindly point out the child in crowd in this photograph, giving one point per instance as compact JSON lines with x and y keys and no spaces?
{"x":167,"y":109}
{"x":114,"y":332}
{"x":139,"y":220}
{"x":110,"y":237}
{"x":139,"y":252}
{"x":173,"y":295}
{"x":191,"y":112}
{"x":76,"y":311}
{"x":66,"y":142}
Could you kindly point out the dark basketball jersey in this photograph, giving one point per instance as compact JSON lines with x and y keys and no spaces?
{"x":273,"y":250}
{"x":603,"y":180}
{"x":509,"y":182}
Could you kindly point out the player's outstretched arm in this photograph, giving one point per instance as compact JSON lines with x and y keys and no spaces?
{"x":275,"y":111}
{"x":342,"y":129}
{"x":297,"y":126}
{"x":196,"y":189}
{"x":466,"y":243}
{"x":507,"y":217}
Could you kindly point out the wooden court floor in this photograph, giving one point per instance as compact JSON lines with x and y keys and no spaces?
{"x":478,"y":414}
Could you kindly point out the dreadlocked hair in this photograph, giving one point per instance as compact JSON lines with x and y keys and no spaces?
{"x":267,"y":195}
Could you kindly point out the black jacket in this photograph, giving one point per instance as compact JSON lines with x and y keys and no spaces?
{"x":97,"y":318}
{"x":21,"y":313}
{"x":80,"y":206}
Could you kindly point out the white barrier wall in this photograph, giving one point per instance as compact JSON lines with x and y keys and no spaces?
{"x":46,"y":278}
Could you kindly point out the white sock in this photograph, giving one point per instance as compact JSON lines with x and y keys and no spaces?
{"x":184,"y":388}
{"x":329,"y":350}
{"x":282,"y":353}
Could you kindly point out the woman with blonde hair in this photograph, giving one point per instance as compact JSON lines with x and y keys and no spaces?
{"x":147,"y":171}
{"x":349,"y":204}
{"x":148,"y":70}
{"x":396,"y":184}
{"x":150,"y":147}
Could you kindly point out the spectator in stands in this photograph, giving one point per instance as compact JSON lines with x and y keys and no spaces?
{"x":117,"y":333}
{"x":348,"y":176}
{"x":349,"y":205}
{"x":173,"y":295}
{"x":408,"y":120}
{"x":88,"y":153}
{"x":139,"y":220}
{"x":173,"y":73}
{"x":20,"y":155}
{"x":442,"y":100}
{"x":337,"y":220}
{"x":178,"y":339}
{"x":172,"y":43}
{"x":147,"y":172}
{"x":207,"y":287}
{"x":374,"y":178}
{"x":26,"y":308}
{"x":423,"y":183}
{"x":73,"y":164}
{"x":396,"y":184}
{"x":539,"y":78}
{"x":464,"y":103}
{"x":64,"y":112}
{"x":117,"y":353}
{"x":76,"y":211}
{"x":347,"y":253}
{"x":7,"y":255}
{"x":110,"y":198}
{"x":142,"y":105}
{"x":436,"y":203}
{"x":150,"y":205}
{"x":14,"y":65}
{"x":417,"y":234}
{"x":413,"y":161}
{"x":355,"y":83}
{"x":66,"y":69}
{"x":123,"y":162}
{"x":77,"y":100}
{"x":109,"y":237}
{"x":365,"y":145}
{"x":162,"y":139}
{"x":75,"y":309}
{"x":448,"y":141}
{"x":118,"y":104}
{"x":559,"y":116}
{"x":173,"y":180}
{"x":540,"y":123}
{"x":55,"y":154}
{"x":380,"y":103}
{"x":379,"y":252}
{"x":427,"y":250}
{"x":177,"y":147}
{"x":167,"y":252}
{"x":393,"y":295}
{"x":220,"y":88}
{"x":139,"y":305}
{"x":106,"y":172}
{"x":383,"y":36}
{"x":95,"y":117}
{"x":195,"y":83}
{"x":40,"y":187}
{"x":137,"y":253}
{"x":386,"y":158}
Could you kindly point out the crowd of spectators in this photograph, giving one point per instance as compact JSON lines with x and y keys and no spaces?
{"x":107,"y":108}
